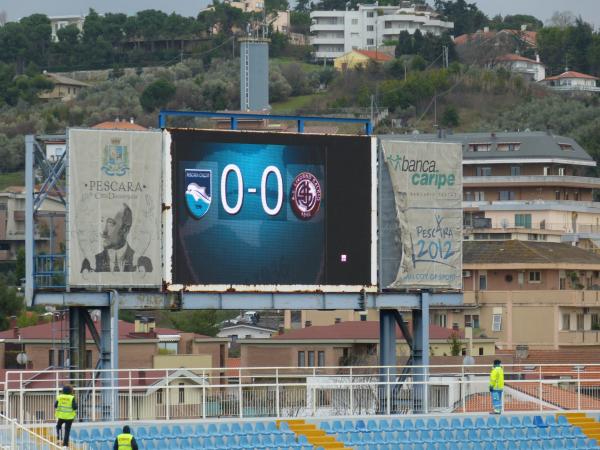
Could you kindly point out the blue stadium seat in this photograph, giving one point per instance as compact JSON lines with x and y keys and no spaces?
{"x":360,"y":425}
{"x":527,"y":422}
{"x":453,"y":446}
{"x":502,"y":445}
{"x":443,"y":424}
{"x":492,"y":422}
{"x":272,"y":427}
{"x":402,"y":437}
{"x":562,"y":420}
{"x":408,"y":424}
{"x":460,"y":435}
{"x":384,"y":425}
{"x":468,"y":423}
{"x":489,"y":446}
{"x":480,"y":423}
{"x":348,"y":425}
{"x":95,"y":435}
{"x":456,"y":424}
{"x":503,"y":422}
{"x":515,"y":422}
{"x":325,"y":427}
{"x":224,"y":429}
{"x":551,"y":421}
{"x":448,"y":436}
{"x":485,"y":436}
{"x":108,"y":433}
{"x":396,"y":425}
{"x":432,"y":424}
{"x":420,"y":424}
{"x":372,"y":425}
{"x":165,"y":431}
{"x":259,"y":428}
{"x":84,"y":435}
{"x":337,"y":426}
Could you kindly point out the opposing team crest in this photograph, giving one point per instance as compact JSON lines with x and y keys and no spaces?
{"x":198,"y":183}
{"x":115,"y":161}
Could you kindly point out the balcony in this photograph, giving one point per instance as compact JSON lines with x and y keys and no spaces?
{"x":574,"y":88}
{"x":318,"y":40}
{"x":568,"y":297}
{"x":579,"y":337}
{"x":532,"y":180}
{"x":327,"y":27}
{"x":533,"y":205}
{"x":328,"y":54}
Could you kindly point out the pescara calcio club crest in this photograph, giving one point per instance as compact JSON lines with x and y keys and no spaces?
{"x":115,"y":160}
{"x":198,"y":191}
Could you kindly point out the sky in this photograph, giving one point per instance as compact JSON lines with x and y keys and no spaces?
{"x":543,"y":9}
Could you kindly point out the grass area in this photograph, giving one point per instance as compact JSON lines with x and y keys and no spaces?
{"x":292,"y":104}
{"x":12,"y":179}
{"x":306,"y":67}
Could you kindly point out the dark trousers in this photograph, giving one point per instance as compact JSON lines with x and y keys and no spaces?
{"x":59,"y":425}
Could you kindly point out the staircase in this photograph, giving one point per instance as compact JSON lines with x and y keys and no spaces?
{"x":589,"y":426}
{"x":49,"y":433}
{"x":314,"y":435}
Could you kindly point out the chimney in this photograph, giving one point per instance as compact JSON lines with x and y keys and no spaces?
{"x":307,"y":324}
{"x":138,"y":326}
{"x":13,"y":321}
{"x":338,"y":320}
{"x":131,"y":120}
{"x":16,"y":332}
{"x":537,"y":57}
{"x":151,"y":324}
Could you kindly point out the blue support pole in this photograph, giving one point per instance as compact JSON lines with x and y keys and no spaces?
{"x":301,"y":126}
{"x":105,"y":363}
{"x":162,"y":120}
{"x":233,"y":123}
{"x":421,"y":353}
{"x":387,"y":357}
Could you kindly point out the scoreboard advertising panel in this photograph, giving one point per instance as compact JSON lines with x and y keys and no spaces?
{"x":272,"y":211}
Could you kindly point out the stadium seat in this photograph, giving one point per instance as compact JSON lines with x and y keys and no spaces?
{"x":408,"y":425}
{"x":420,"y":424}
{"x":527,"y":422}
{"x":384,"y":425}
{"x":432,"y":424}
{"x":456,"y":424}
{"x":480,"y":423}
{"x":337,"y":426}
{"x":562,"y":420}
{"x":468,"y":423}
{"x":348,"y":425}
{"x":396,"y":425}
{"x":443,"y":424}
{"x":492,"y":422}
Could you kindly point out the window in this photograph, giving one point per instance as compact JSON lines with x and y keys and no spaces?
{"x":509,"y":146}
{"x":480,"y":196}
{"x":370,"y":42}
{"x":557,"y":195}
{"x":468,"y":197}
{"x":546,"y":170}
{"x":482,"y":281}
{"x":441,"y":320}
{"x":321,"y":359}
{"x":515,"y":171}
{"x":181,"y":393}
{"x":369,"y":13}
{"x":61,"y":358}
{"x":301,"y":359}
{"x":566,"y":322}
{"x":480,"y":351}
{"x":535,"y":277}
{"x":595,"y":322}
{"x":370,"y":28}
{"x":88,"y":359}
{"x":561,"y":171}
{"x":523,"y":220}
{"x":506,"y":195}
{"x":483,"y":172}
{"x":562,"y":283}
{"x":170,"y":348}
{"x":497,"y":322}
{"x":566,"y":147}
{"x":580,"y":322}
{"x":50,"y":358}
{"x":311,"y":359}
{"x":159,"y":397}
{"x":480,"y":147}
{"x":354,"y":21}
{"x":472,"y":320}
{"x":296,"y":319}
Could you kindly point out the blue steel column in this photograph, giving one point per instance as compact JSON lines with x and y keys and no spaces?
{"x":421,"y":352}
{"x":387,"y":356}
{"x":29,"y":220}
{"x":105,"y":363}
{"x":114,"y":353}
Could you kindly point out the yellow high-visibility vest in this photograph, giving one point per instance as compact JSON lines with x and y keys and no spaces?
{"x":497,"y":378}
{"x":64,"y":408}
{"x":124,"y":441}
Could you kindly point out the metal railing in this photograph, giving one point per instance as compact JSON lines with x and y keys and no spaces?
{"x":167,"y":394}
{"x":14,"y":436}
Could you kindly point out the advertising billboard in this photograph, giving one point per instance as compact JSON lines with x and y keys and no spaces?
{"x":421,"y":215}
{"x":114,"y":215}
{"x":272,"y":211}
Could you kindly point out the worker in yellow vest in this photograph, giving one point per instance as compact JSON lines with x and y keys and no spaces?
{"x":65,"y":411}
{"x":497,"y":386}
{"x":125,"y":440}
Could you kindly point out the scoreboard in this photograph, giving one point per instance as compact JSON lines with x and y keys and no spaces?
{"x":272,"y":211}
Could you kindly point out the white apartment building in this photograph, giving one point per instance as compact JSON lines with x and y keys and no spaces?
{"x":334,"y":33}
{"x":60,"y":22}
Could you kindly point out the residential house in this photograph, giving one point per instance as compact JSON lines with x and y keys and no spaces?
{"x":49,"y":227}
{"x":343,"y":344}
{"x":60,"y":22}
{"x":241,"y":331}
{"x":571,"y":81}
{"x":530,"y":69}
{"x":141,"y":346}
{"x":485,"y":46}
{"x":356,"y":58}
{"x":335,"y":33}
{"x":64,"y":89}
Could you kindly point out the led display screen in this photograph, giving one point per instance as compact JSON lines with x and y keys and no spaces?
{"x":257,"y":208}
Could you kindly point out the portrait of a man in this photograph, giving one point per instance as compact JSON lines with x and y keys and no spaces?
{"x":117,"y":255}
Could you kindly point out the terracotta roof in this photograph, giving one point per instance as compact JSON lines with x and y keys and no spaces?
{"x":353,"y":331}
{"x":374,"y":55}
{"x":529,"y":37}
{"x":233,"y":364}
{"x":119,"y":125}
{"x":525,"y":252}
{"x":58,"y":330}
{"x":515,"y":57}
{"x":483,"y":403}
{"x":572,"y":74}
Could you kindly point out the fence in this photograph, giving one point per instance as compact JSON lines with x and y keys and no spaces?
{"x":297,"y":392}
{"x":14,"y":436}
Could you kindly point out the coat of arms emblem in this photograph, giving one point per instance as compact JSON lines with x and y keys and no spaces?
{"x":115,"y":160}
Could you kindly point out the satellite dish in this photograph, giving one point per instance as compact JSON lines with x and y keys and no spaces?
{"x":22,"y":358}
{"x":468,"y":361}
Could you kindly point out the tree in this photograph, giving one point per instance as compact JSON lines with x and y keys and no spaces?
{"x":300,"y":22}
{"x":467,"y":17}
{"x":578,"y":40}
{"x":455,"y":344}
{"x":157,"y":94}
{"x":276,"y":5}
{"x":405,"y":44}
{"x":10,"y":304}
{"x":515,"y":22}
{"x":562,"y":19}
{"x":551,"y":46}
{"x":205,"y":322}
{"x":302,"y":6}
{"x":450,"y":118}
